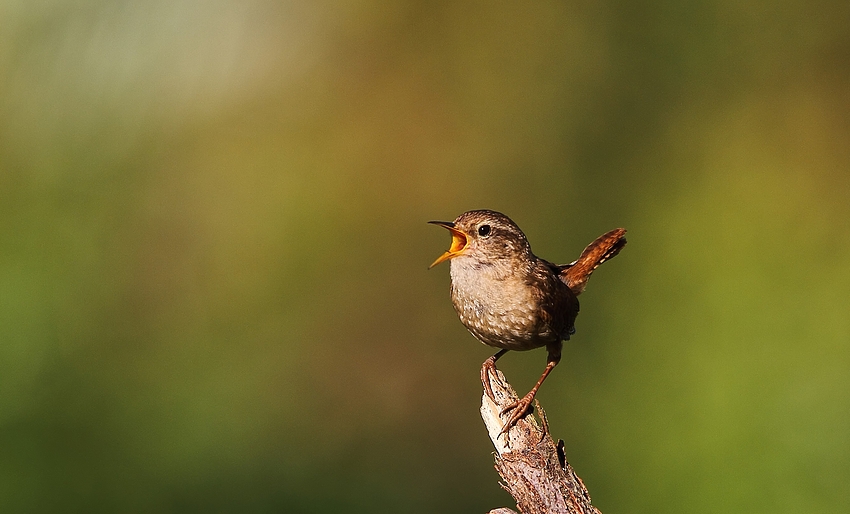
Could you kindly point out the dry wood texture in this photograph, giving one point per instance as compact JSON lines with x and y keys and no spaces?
{"x":532,"y":466}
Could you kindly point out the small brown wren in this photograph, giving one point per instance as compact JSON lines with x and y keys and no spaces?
{"x":509,"y":298}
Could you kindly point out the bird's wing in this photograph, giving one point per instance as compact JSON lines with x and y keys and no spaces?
{"x":558,"y":304}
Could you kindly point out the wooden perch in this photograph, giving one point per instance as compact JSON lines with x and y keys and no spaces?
{"x":533,"y":467}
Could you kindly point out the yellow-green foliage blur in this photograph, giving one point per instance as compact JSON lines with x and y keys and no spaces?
{"x":213,"y":250}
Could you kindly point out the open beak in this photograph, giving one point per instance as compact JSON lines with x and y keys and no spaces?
{"x":459,"y":242}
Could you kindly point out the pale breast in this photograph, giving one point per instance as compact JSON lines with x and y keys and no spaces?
{"x":500,"y":310}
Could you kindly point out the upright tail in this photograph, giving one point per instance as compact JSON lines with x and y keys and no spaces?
{"x":605,"y":247}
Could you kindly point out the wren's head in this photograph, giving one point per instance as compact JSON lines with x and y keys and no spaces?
{"x":484,"y":238}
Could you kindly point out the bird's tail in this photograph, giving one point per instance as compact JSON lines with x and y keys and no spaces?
{"x":605,"y":247}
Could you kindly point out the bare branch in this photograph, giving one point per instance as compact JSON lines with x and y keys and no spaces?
{"x":533,"y":467}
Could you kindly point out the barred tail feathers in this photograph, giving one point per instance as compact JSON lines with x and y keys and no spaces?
{"x":605,"y":247}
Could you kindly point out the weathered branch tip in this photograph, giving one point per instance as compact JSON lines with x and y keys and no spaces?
{"x":533,"y":467}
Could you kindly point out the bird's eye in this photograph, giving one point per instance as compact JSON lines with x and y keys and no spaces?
{"x":484,"y":230}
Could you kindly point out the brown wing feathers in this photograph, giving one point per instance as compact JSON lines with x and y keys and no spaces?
{"x":605,"y":247}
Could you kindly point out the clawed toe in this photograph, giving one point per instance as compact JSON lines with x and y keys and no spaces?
{"x":486,"y":368}
{"x":485,"y":378}
{"x":520,"y":409}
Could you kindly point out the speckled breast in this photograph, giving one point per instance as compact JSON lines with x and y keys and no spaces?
{"x":500,"y":315}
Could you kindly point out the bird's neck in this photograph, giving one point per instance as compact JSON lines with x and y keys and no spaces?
{"x":467,"y":271}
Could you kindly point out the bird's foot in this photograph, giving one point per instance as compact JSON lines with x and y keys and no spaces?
{"x":486,"y":368}
{"x":520,"y":408}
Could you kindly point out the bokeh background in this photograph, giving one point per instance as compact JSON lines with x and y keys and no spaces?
{"x":213,"y":250}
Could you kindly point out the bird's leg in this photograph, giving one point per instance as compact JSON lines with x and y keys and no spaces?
{"x":490,"y":364}
{"x":521,"y":407}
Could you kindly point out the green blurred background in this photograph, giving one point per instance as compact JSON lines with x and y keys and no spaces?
{"x":213,"y":251}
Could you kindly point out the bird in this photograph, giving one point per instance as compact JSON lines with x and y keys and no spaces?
{"x":509,"y":298}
